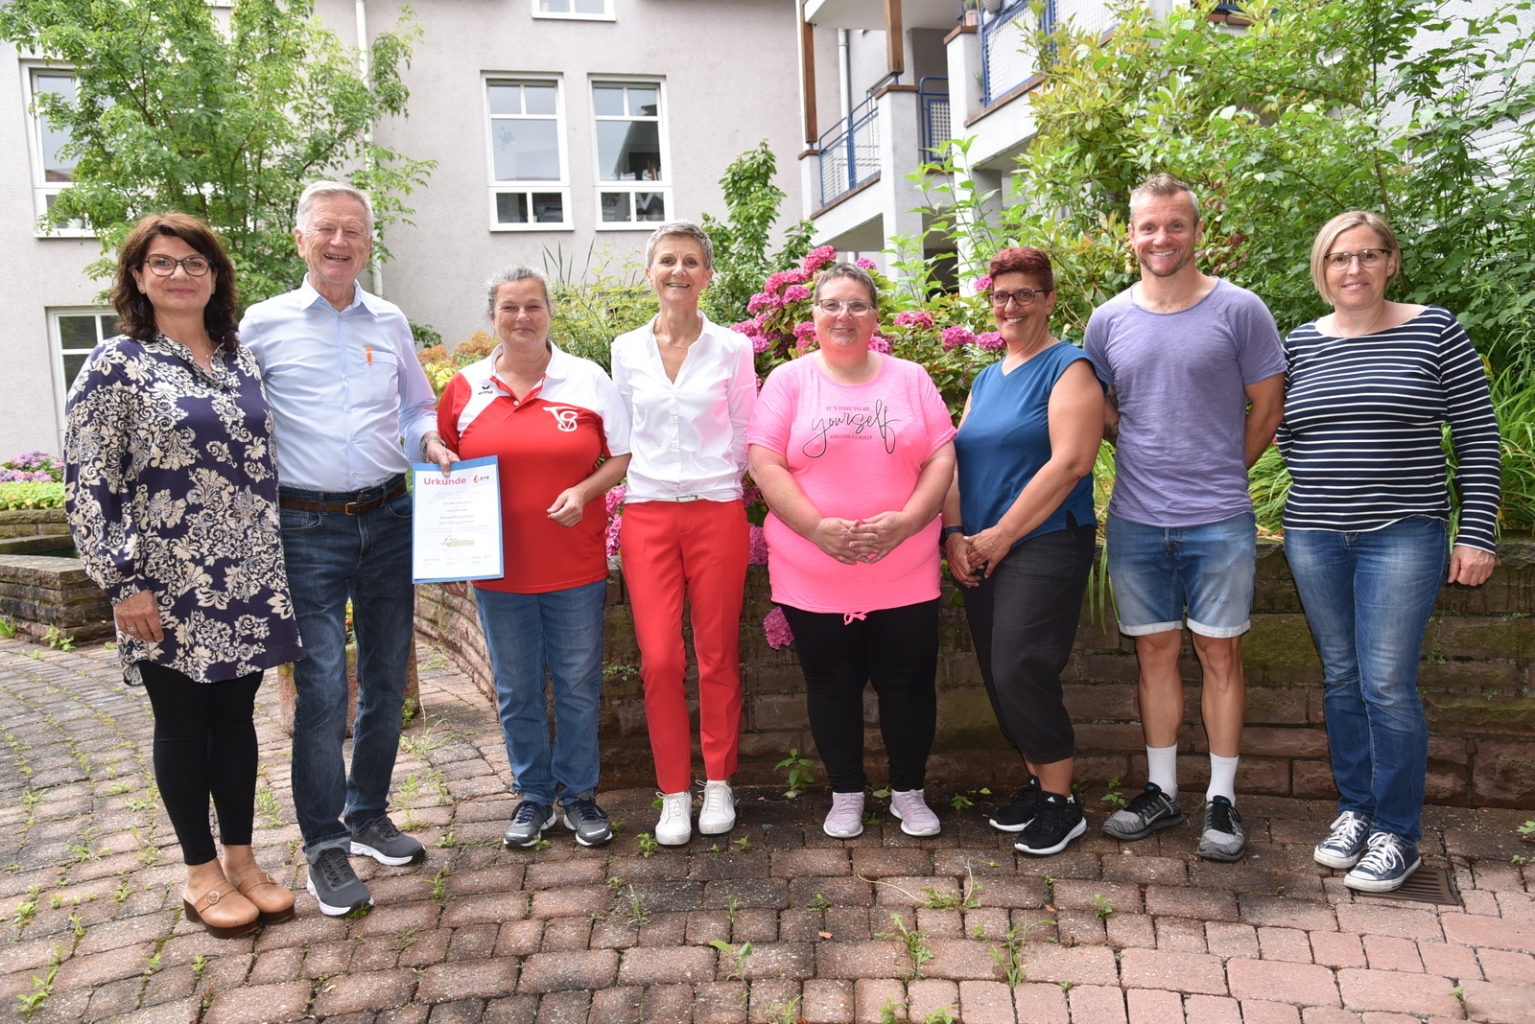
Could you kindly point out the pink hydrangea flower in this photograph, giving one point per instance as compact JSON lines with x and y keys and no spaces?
{"x":757,"y":553}
{"x":777,"y":630}
{"x":983,"y":283}
{"x":763,"y":300}
{"x":866,"y":263}
{"x":915,"y":318}
{"x":819,"y":257}
{"x":775,"y":282}
{"x":796,"y":293}
{"x":879,"y":343}
{"x":614,"y":499}
{"x":760,"y":344}
{"x":750,"y":328}
{"x":957,"y":337}
{"x":751,"y":494}
{"x":990,"y":339}
{"x":804,"y":330}
{"x":615,"y":526}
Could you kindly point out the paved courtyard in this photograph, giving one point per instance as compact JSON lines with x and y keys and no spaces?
{"x":884,"y":927}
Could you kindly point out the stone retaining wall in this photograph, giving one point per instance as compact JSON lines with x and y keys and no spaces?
{"x":38,"y":592}
{"x":29,"y":522}
{"x":1477,"y":659}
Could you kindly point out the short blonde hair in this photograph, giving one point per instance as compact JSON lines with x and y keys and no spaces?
{"x":1329,"y":235}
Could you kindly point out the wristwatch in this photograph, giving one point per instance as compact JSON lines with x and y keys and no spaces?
{"x":947,"y":532}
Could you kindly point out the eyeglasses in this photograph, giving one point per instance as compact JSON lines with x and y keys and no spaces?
{"x":854,"y":307}
{"x":1367,"y":258}
{"x":1023,"y":296}
{"x":165,"y":266}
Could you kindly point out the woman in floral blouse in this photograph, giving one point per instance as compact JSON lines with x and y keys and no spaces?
{"x":172,"y":496}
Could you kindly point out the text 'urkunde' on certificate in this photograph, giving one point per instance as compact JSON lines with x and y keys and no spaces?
{"x":457,"y":522}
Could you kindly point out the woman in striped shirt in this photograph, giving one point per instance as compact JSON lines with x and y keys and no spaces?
{"x":1369,"y":388}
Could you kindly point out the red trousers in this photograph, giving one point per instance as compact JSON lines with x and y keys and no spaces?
{"x":696,"y":549}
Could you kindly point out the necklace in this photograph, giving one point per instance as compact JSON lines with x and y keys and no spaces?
{"x":1369,"y":328}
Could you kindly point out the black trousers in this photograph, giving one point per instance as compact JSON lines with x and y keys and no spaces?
{"x":897,"y":650}
{"x":205,"y":745}
{"x":1024,"y":619}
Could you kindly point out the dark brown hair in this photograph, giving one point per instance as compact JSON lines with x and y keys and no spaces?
{"x":135,"y":314}
{"x":1027,"y":260}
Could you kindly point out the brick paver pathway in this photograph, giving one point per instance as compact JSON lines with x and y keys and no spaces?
{"x":882,"y":927}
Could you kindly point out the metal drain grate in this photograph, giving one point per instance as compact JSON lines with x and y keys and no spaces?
{"x":1425,"y":885}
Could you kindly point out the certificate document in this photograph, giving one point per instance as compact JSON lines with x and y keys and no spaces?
{"x":456,"y":524}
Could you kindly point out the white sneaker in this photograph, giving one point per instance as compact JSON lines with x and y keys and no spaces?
{"x":718,"y":814}
{"x":675,"y":827}
{"x":916,"y":817}
{"x":846,"y":818}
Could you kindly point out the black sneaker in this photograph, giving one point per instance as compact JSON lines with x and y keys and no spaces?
{"x":1223,"y":837}
{"x":1058,"y":822}
{"x":1014,"y":816}
{"x":387,"y":844}
{"x":588,"y":821}
{"x":1152,"y":810}
{"x":334,"y":885}
{"x":528,"y":824}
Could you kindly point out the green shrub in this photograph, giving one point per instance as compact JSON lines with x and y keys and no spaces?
{"x":31,"y":495}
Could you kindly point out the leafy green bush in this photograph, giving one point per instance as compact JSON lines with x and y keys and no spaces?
{"x":31,"y":495}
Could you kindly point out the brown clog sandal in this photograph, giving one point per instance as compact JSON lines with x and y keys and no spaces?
{"x":211,"y":898}
{"x":273,"y":901}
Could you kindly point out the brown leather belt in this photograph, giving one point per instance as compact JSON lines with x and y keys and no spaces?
{"x":351,"y":508}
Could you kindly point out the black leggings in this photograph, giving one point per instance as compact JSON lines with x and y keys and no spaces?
{"x":205,"y":745}
{"x":897,"y":650}
{"x":1024,"y":621}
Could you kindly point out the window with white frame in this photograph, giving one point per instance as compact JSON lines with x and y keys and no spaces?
{"x":633,"y":169}
{"x":580,"y":10}
{"x":529,"y":190}
{"x":75,"y":332}
{"x":52,"y":172}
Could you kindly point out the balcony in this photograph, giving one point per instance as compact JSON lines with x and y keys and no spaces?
{"x":850,"y":152}
{"x":1007,"y":57}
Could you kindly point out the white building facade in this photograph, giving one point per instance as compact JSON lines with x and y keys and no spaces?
{"x":562,"y":130}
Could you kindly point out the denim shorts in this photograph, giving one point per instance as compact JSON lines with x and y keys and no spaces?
{"x":1205,"y":572}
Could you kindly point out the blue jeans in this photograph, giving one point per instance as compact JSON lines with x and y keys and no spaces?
{"x":1368,"y":597}
{"x":526,"y":634}
{"x":1160,"y":573}
{"x":331,"y":557}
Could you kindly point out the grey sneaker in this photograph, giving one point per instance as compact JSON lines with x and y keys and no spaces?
{"x":1385,"y":866}
{"x":1223,"y":838}
{"x":387,"y":844}
{"x":588,"y":821}
{"x":528,"y":824}
{"x":334,"y":885}
{"x":1345,"y":844}
{"x":1152,"y":810}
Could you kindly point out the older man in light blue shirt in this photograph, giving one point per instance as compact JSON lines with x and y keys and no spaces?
{"x":345,"y":390}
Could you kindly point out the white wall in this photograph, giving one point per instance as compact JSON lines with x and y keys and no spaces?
{"x":39,"y":274}
{"x":731,"y":76}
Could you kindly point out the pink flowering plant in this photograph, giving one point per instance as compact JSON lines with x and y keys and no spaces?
{"x":32,"y":467}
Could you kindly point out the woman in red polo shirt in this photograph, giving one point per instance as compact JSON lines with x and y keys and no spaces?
{"x":561,"y":435}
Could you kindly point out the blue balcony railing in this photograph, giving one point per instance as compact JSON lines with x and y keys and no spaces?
{"x":933,"y":109}
{"x":850,"y":151}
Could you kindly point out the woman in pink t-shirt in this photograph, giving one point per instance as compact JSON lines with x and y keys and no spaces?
{"x":853,"y":451}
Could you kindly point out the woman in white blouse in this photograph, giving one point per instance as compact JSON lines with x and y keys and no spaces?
{"x":690,"y":386}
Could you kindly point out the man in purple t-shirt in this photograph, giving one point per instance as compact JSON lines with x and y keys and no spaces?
{"x":1195,"y":375}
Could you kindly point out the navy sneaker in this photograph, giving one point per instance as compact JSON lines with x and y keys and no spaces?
{"x":1345,"y":844}
{"x":1016,"y":815}
{"x":528,"y":824}
{"x":1385,"y":865}
{"x":1152,"y":810}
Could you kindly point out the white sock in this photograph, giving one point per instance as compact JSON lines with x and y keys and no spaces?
{"x":1162,"y":768}
{"x":1223,"y":778}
